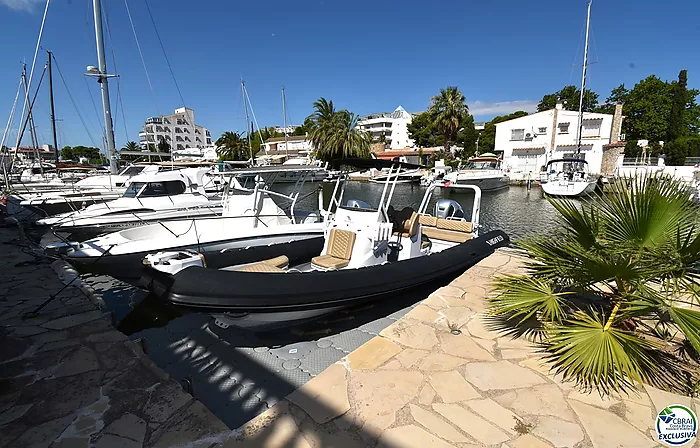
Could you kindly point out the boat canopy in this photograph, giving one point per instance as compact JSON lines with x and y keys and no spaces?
{"x":365,"y":164}
{"x":566,"y":160}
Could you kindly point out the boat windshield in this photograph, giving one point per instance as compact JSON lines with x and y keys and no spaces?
{"x":482,"y":165}
{"x":133,"y":189}
{"x":132,"y":171}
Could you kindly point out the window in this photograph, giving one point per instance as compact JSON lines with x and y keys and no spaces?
{"x":132,"y":171}
{"x":591,"y":128}
{"x":177,"y":130}
{"x":517,"y":134}
{"x":133,"y":189}
{"x":167,"y":188}
{"x":563,"y":128}
{"x":542,"y":130}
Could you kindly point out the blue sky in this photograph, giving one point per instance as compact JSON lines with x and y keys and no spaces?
{"x":366,"y":56}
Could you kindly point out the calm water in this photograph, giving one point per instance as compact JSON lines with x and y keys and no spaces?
{"x":515,"y":210}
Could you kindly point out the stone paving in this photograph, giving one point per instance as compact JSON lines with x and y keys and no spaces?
{"x":69,"y":379}
{"x":420,"y":383}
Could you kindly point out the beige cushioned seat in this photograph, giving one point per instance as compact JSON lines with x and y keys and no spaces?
{"x":271,"y":265}
{"x":446,"y":229}
{"x":410,"y":226}
{"x":340,"y":244}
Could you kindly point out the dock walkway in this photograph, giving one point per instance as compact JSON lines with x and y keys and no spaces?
{"x":439,"y":378}
{"x":68,"y":378}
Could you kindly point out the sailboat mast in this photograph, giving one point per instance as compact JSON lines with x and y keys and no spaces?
{"x":245,"y":107}
{"x":53,"y":112}
{"x":102,"y":79}
{"x":583,"y":78}
{"x":284,"y":119}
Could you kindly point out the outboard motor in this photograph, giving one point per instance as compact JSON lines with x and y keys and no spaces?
{"x":448,"y":208}
{"x":356,"y":203}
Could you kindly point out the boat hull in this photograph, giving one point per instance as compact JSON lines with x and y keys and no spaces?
{"x":485,"y":183}
{"x":568,"y":189}
{"x":273,"y":296}
{"x":129,"y":267}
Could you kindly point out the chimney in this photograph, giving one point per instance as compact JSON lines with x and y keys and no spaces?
{"x":616,"y":124}
{"x":559,"y":105}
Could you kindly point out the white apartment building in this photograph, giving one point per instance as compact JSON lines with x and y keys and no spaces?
{"x":392,"y":127}
{"x":528,"y":142}
{"x":178,"y":130}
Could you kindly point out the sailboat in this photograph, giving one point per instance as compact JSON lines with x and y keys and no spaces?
{"x":570,"y":177}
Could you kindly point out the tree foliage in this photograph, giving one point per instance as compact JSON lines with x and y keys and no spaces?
{"x":231,"y":146}
{"x":677,"y":126}
{"x":607,"y":296}
{"x":75,"y":153}
{"x":449,"y":113}
{"x":335,"y":134}
{"x":570,"y":96}
{"x":163,"y":146}
{"x":423,"y":131}
{"x":129,"y":146}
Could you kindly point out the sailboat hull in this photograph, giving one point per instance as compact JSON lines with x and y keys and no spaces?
{"x":568,"y":189}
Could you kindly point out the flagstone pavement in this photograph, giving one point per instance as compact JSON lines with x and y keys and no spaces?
{"x":439,"y":377}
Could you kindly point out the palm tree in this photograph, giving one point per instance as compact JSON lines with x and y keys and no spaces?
{"x":612,"y":298}
{"x":131,"y":146}
{"x":448,"y":112}
{"x":335,"y":134}
{"x":346,"y":140}
{"x":231,"y":146}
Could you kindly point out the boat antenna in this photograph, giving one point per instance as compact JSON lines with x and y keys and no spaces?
{"x":53,"y":112}
{"x":247,"y":120}
{"x":100,"y":72}
{"x":284,"y":119}
{"x":583,"y":79}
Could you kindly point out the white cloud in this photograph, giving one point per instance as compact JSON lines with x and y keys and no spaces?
{"x":500,"y":108}
{"x":21,"y":5}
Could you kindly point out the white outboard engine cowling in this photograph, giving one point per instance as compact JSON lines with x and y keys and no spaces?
{"x":448,"y":209}
{"x":174,"y":262}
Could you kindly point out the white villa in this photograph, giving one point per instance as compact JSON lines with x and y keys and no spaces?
{"x":393,"y":127}
{"x":293,"y":143}
{"x":528,"y":142}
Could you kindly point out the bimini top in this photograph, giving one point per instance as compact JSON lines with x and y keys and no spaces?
{"x":566,"y":160}
{"x":365,"y":164}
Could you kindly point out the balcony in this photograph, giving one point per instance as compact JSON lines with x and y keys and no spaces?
{"x":154,"y":120}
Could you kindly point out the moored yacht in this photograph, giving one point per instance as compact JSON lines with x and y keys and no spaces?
{"x":567,"y":177}
{"x":252,"y":225}
{"x":148,"y":198}
{"x":368,"y":253}
{"x":485,"y":172}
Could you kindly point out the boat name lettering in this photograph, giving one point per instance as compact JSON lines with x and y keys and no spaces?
{"x":494,"y":240}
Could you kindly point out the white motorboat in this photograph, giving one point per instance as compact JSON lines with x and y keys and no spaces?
{"x":56,"y":202}
{"x":148,"y":198}
{"x":250,"y":225}
{"x":485,"y":172}
{"x":405,"y":176}
{"x":567,"y":177}
{"x":368,"y":254}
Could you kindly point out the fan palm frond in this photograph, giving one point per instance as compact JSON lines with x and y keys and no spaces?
{"x":594,"y":356}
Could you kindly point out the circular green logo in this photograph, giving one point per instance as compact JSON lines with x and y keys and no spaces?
{"x":676,"y":425}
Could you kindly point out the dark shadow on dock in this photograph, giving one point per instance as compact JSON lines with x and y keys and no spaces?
{"x":238,"y":374}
